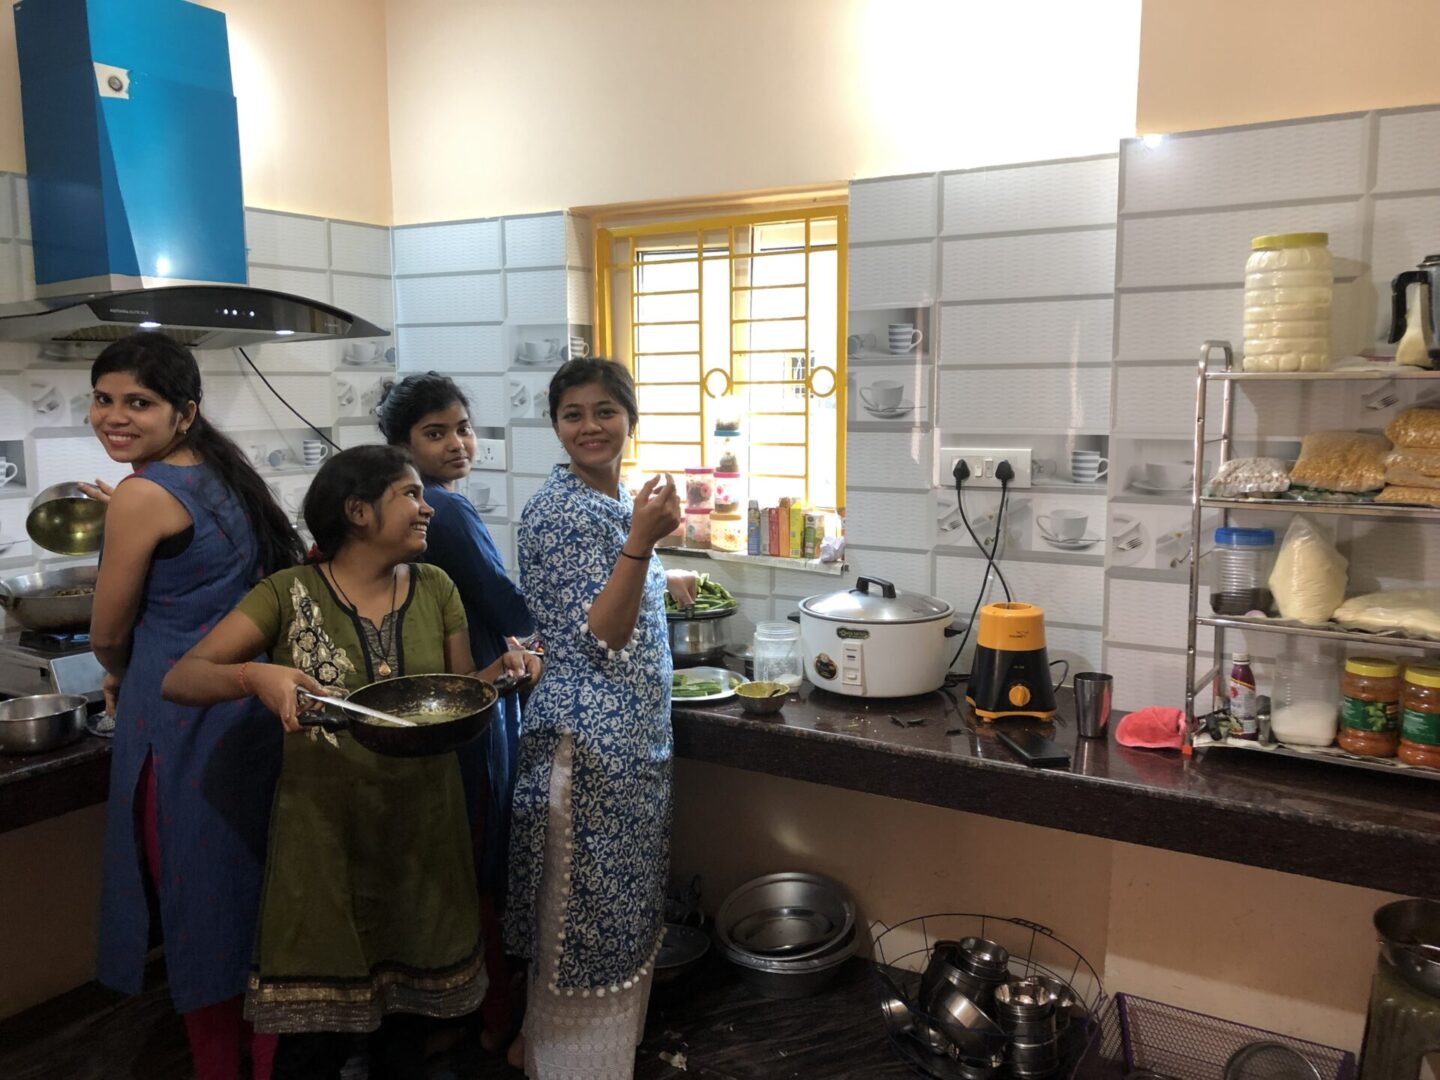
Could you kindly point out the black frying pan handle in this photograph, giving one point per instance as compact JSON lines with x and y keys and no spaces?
{"x":326,"y":721}
{"x":507,"y":684}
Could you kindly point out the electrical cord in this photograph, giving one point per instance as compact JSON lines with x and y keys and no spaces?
{"x":280,"y":398}
{"x":1004,"y":473}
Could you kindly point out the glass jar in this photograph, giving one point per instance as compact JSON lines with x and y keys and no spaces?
{"x":727,"y":532}
{"x":1240,"y":571}
{"x":1289,"y":280}
{"x":697,"y":528}
{"x":777,"y":653}
{"x":1370,"y":707}
{"x":1305,"y":701}
{"x":1420,"y":717}
{"x":700,"y":489}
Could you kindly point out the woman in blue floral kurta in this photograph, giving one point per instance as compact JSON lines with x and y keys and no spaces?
{"x":590,"y":837}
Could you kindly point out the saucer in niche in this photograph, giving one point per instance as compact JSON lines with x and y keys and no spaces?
{"x":1080,"y":543}
{"x":892,"y":413}
{"x":486,"y":508}
{"x":525,"y":362}
{"x":1146,"y":488}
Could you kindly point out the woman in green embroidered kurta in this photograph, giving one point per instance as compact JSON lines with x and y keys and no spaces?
{"x":369,"y":906}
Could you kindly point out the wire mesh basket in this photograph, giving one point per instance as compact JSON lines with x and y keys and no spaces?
{"x":1136,"y":1034}
{"x":901,"y":953}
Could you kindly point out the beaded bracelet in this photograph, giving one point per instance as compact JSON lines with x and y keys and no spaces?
{"x":244,"y":686}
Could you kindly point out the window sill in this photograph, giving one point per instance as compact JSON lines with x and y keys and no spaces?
{"x":811,"y":566}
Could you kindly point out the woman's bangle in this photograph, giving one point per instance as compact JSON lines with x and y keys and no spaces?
{"x":637,"y":558}
{"x":244,"y":686}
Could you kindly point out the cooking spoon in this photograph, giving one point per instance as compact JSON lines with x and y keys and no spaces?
{"x":363,"y":710}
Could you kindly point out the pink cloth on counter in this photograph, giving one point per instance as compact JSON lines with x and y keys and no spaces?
{"x":1153,"y":728}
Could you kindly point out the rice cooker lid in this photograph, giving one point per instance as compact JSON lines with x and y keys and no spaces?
{"x":875,"y":600}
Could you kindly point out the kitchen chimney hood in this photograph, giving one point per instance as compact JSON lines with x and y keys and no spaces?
{"x":200,"y":316}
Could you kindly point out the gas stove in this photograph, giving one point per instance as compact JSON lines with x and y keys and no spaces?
{"x":36,"y":663}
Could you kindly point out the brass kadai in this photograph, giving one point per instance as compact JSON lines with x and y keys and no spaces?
{"x":63,"y":519}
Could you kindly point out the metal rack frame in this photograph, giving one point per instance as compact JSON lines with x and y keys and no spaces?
{"x":1227,"y":376}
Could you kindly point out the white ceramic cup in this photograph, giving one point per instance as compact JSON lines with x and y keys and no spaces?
{"x":276,"y":458}
{"x":1087,"y":466}
{"x":1168,"y":476}
{"x":535,"y":352}
{"x":361,"y":353}
{"x":345,"y":395}
{"x":904,"y":337}
{"x":480,"y":494}
{"x":315,"y":451}
{"x":579,"y":348}
{"x":8,"y":471}
{"x":1064,"y":524}
{"x":883,"y":394}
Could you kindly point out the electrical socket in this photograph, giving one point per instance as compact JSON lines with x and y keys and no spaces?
{"x":490,"y":454}
{"x":983,"y":463}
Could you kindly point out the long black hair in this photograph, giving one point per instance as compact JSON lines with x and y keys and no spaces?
{"x":413,"y":397}
{"x":165,"y":367}
{"x":362,"y":472}
{"x":595,"y":369}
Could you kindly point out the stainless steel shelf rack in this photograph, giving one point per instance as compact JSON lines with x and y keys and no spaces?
{"x":1227,"y":376}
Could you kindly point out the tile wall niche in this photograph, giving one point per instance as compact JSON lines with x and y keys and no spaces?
{"x":44,"y":390}
{"x":1187,"y":211}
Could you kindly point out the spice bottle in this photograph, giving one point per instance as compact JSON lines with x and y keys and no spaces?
{"x":1244,"y":702}
{"x":1370,"y":707}
{"x":752,"y":536}
{"x":1420,"y":717}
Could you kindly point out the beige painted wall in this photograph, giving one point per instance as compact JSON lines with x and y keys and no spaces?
{"x":1282,"y":952}
{"x":1210,"y":63}
{"x":508,"y":106}
{"x":311,"y":85}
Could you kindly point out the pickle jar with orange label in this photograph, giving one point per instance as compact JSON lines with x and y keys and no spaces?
{"x":1370,"y":707}
{"x":1420,"y":717}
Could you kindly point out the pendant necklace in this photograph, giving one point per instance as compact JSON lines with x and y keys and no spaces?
{"x":383,"y":668}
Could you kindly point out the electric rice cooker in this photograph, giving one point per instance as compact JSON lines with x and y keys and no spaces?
{"x":875,"y":641}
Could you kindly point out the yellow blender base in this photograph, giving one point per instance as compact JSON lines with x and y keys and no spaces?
{"x":1010,"y":674}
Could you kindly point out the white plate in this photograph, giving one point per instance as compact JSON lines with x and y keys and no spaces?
{"x":537,"y":363}
{"x":486,"y":508}
{"x":724,"y":676}
{"x":1150,"y":489}
{"x":889,"y":414}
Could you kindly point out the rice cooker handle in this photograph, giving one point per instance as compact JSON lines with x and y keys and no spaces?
{"x":956,"y":628}
{"x":794,"y":616}
{"x":887,"y":589}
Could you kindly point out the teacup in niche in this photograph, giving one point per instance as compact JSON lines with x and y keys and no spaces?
{"x":1168,"y":476}
{"x":1064,"y":524}
{"x":883,"y":394}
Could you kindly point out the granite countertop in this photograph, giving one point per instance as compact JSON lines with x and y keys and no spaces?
{"x":1311,"y":818}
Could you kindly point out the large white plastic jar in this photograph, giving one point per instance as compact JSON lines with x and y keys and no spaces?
{"x":1289,"y":281}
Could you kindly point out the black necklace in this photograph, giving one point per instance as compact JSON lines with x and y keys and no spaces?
{"x":383,"y":668}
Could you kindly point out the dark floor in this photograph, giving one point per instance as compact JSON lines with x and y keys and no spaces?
{"x":722,"y":1031}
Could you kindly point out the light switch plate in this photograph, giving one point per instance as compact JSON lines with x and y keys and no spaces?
{"x":490,"y":454}
{"x":983,"y":463}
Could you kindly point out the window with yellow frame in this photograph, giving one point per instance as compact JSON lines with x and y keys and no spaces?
{"x":731,"y":318}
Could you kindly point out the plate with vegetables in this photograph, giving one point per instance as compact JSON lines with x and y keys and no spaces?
{"x":712,"y":600}
{"x":704,"y":684}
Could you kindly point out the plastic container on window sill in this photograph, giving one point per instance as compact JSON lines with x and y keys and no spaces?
{"x":727,"y":532}
{"x":700,"y":489}
{"x":697,"y":528}
{"x":729,"y":497}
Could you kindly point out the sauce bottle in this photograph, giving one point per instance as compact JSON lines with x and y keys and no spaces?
{"x":1244,"y":702}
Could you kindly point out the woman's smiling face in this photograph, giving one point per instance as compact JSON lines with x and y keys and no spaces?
{"x":592,"y":426}
{"x":443,"y":444}
{"x":133,"y":423}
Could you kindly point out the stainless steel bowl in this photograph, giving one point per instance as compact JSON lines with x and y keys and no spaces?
{"x":65,"y":520}
{"x":697,"y":638}
{"x":988,"y":959}
{"x":966,"y":1025}
{"x":682,"y":950}
{"x":41,"y":722}
{"x":787,"y":916}
{"x":1023,"y":999}
{"x":1410,"y":941}
{"x":791,"y":978}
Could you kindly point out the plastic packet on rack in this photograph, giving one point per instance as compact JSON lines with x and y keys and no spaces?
{"x":1418,"y":427}
{"x":1309,"y":577}
{"x":1413,"y":467}
{"x":1249,"y":476}
{"x":1424,"y":493}
{"x":1341,"y":461}
{"x":1414,"y":612}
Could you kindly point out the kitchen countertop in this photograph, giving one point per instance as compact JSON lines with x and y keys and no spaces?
{"x":1301,"y":817}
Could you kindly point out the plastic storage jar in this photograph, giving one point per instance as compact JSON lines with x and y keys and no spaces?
{"x":729,"y":492}
{"x":697,"y":528}
{"x":1370,"y":706}
{"x":1305,"y":703}
{"x":727,"y":532}
{"x":777,"y":653}
{"x":700,"y":489}
{"x":1420,"y":717}
{"x":1289,"y":281}
{"x":1240,"y":571}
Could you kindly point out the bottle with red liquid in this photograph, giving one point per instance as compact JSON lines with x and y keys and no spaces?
{"x":1244,"y":701}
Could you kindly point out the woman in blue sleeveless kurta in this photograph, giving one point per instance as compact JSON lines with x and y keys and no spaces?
{"x":188,"y":533}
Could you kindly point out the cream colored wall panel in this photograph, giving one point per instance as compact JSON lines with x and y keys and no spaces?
{"x":486,"y":394}
{"x":451,"y":348}
{"x":235,"y":401}
{"x":579,"y":241}
{"x":9,"y":228}
{"x":1407,"y":157}
{"x":14,"y":543}
{"x":1159,"y":400}
{"x":1032,"y":400}
{"x":875,"y":519}
{"x":522,"y":488}
{"x":1148,"y":613}
{"x":1172,"y":325}
{"x":1048,"y":196}
{"x":897,"y":461}
{"x":1082,"y":649}
{"x":27,"y":270}
{"x":286,"y":240}
{"x":22,"y":208}
{"x":359,"y":249}
{"x":371,"y":298}
{"x":504,"y":536}
{"x":535,"y":241}
{"x":458,"y":298}
{"x":535,"y":450}
{"x":1211,"y":249}
{"x":578,"y":299}
{"x":11,"y":291}
{"x":14,"y":410}
{"x":1014,"y":267}
{"x":456,"y":247}
{"x":1294,"y":408}
{"x":1406,"y":230}
{"x":536,"y":296}
{"x":908,"y":571}
{"x":67,"y":459}
{"x":1147,"y":678}
{"x":1047,"y":331}
{"x":1068,"y":593}
{"x":1391,"y":555}
{"x":900,"y":275}
{"x":312,"y":284}
{"x":358,"y":435}
{"x":1274,"y":163}
{"x":900,"y":209}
